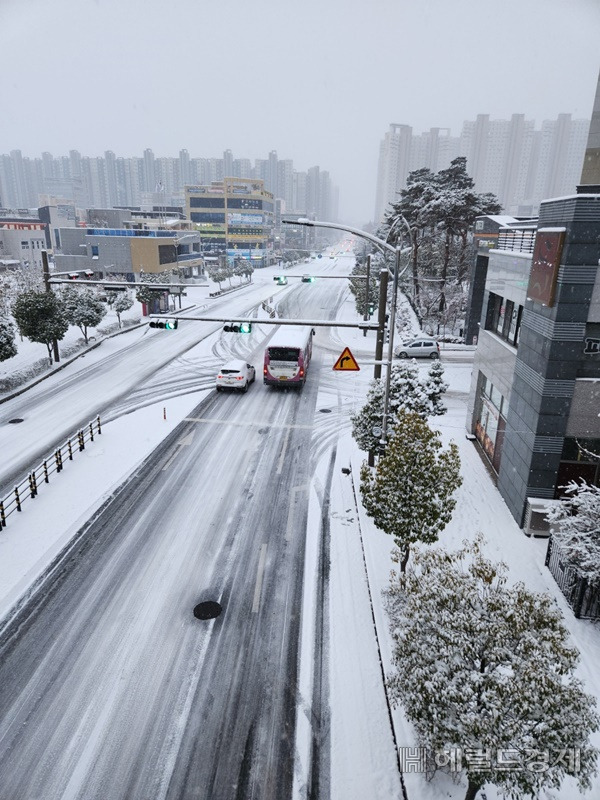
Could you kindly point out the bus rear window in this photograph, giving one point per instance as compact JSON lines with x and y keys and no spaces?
{"x":283,"y":354}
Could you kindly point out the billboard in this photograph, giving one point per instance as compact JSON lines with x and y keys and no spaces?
{"x":545,"y":264}
{"x":237,"y":218}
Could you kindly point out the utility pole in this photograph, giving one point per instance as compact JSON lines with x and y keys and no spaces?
{"x":48,"y":288}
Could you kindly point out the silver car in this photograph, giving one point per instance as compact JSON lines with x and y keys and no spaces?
{"x":418,"y":348}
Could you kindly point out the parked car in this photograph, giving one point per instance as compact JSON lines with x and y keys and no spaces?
{"x":418,"y":348}
{"x":235,"y":375}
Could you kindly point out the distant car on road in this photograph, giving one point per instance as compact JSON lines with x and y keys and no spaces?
{"x":236,"y":375}
{"x":418,"y":348}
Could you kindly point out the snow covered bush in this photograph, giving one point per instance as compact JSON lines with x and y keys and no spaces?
{"x":8,"y":348}
{"x":407,"y":391}
{"x":485,"y":673}
{"x":578,"y":532}
{"x":409,"y":494}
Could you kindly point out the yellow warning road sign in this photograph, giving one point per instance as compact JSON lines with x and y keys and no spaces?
{"x":346,"y":362}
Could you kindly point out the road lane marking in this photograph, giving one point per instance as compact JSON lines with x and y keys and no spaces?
{"x":185,"y":441}
{"x":283,"y":451}
{"x":288,"y":528}
{"x":246,"y":423}
{"x":259,"y":577}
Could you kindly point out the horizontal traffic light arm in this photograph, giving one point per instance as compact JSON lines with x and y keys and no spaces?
{"x":136,"y":285}
{"x":313,"y":323}
{"x":322,"y":277}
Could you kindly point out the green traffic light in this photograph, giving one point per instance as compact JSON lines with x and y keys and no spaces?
{"x":246,"y":327}
{"x":171,"y":325}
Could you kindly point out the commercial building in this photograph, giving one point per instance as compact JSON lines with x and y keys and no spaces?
{"x":129,"y":252}
{"x":234,"y":215}
{"x":22,"y":239}
{"x":535,"y":395}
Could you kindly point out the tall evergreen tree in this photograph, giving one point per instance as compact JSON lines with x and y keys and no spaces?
{"x":409,"y":495}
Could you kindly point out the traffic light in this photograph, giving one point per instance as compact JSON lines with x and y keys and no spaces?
{"x":307,"y":279}
{"x":73,"y":276}
{"x":170,"y":324}
{"x":371,"y":308}
{"x":238,"y":327}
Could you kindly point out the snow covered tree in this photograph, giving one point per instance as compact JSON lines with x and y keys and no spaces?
{"x":145,"y":294}
{"x":358,"y":288}
{"x":217,"y":274}
{"x":409,"y":494}
{"x":122,"y":302}
{"x":40,"y":317}
{"x":578,"y":532}
{"x":435,"y":387}
{"x":243,"y":269}
{"x":369,"y":417}
{"x":8,"y":348}
{"x":407,"y":391}
{"x":485,"y":674}
{"x":83,"y":308}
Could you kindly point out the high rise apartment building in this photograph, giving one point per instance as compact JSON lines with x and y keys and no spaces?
{"x":520,"y":165}
{"x":111,"y":180}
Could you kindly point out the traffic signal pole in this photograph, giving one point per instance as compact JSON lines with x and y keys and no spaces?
{"x":379,"y":342}
{"x":366,"y":314}
{"x":48,"y":288}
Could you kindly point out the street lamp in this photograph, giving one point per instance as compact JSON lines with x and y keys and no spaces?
{"x":398,"y":251}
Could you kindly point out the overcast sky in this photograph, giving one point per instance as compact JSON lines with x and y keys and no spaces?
{"x":319,"y":81}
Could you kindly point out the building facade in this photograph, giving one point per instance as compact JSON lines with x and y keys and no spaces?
{"x":234,"y":216}
{"x":535,"y":394}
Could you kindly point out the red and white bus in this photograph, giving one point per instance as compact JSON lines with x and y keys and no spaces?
{"x":287,"y":356}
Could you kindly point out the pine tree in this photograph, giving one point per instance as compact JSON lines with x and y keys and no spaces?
{"x":578,"y":532}
{"x":407,"y":391}
{"x":435,"y":388}
{"x":40,"y":317}
{"x":83,"y":308}
{"x":409,"y":495}
{"x":8,"y":348}
{"x":366,"y":302}
{"x":485,"y":674}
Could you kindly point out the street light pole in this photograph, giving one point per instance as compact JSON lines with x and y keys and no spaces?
{"x":398,"y":251}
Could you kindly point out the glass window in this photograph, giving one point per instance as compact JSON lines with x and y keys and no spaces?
{"x":284,"y":354}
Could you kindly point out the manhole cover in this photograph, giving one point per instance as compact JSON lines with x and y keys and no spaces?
{"x":325,"y":410}
{"x":263,"y":430}
{"x":207,"y":610}
{"x":15,"y":420}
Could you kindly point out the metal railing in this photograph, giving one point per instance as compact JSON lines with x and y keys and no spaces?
{"x":28,"y":488}
{"x":583,"y":598}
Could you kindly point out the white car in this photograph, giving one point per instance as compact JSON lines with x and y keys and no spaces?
{"x":418,"y":348}
{"x":235,"y":375}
